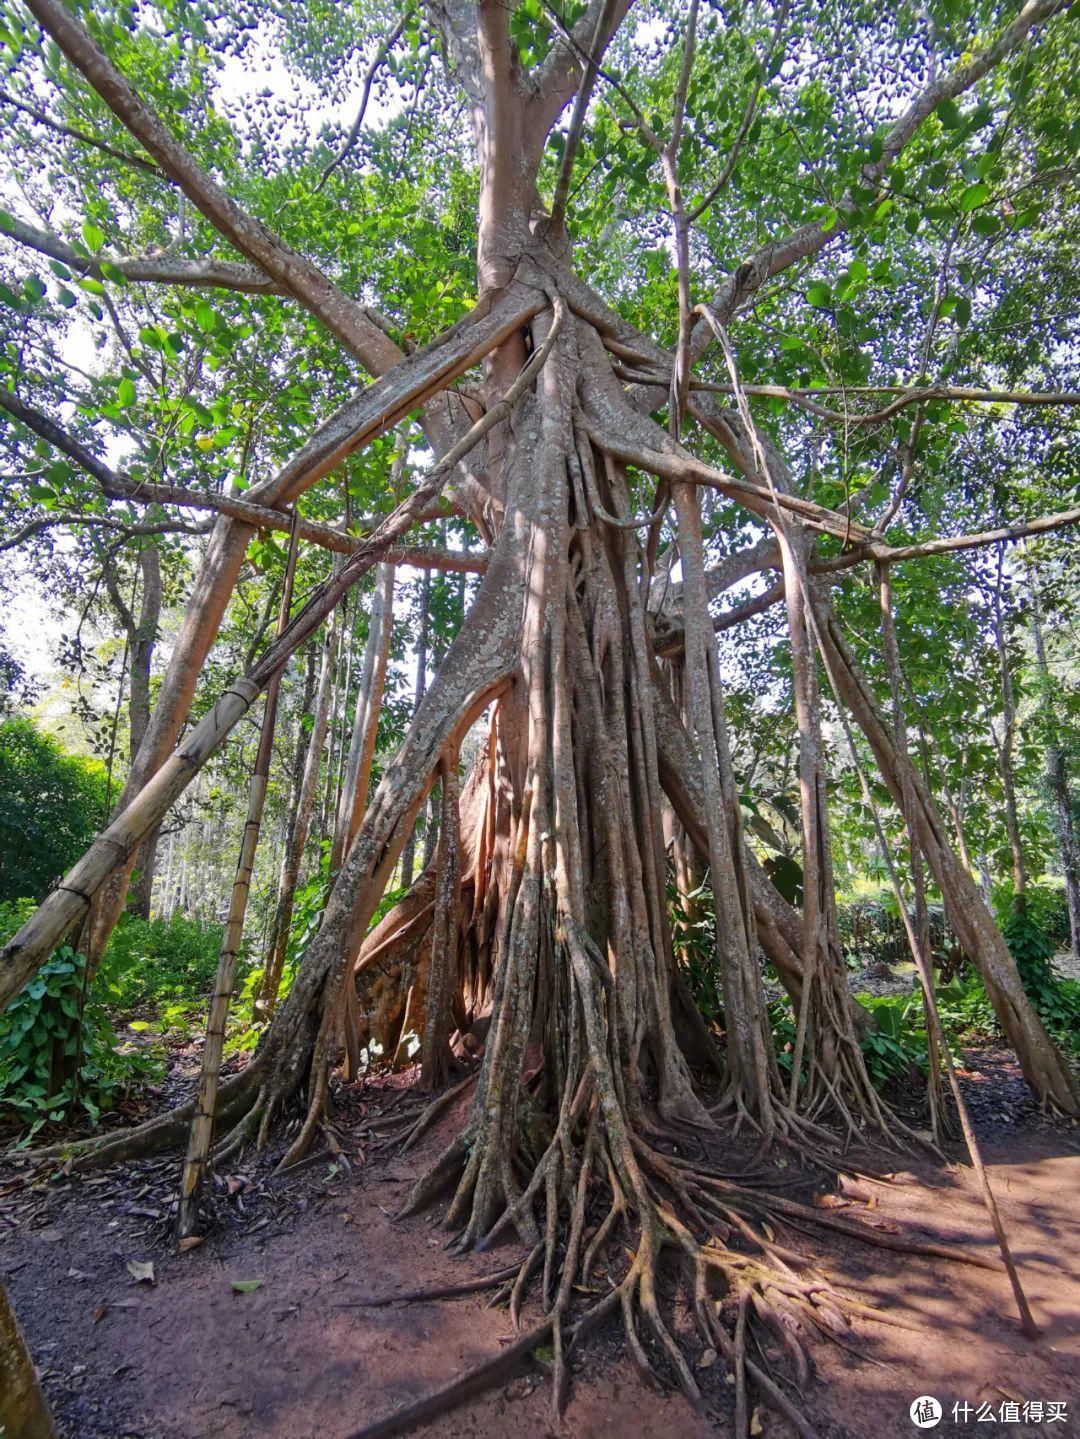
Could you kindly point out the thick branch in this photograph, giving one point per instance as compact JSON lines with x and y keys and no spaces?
{"x":122,"y":487}
{"x":298,"y":276}
{"x":156,"y":269}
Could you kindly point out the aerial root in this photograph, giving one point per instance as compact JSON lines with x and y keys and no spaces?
{"x":434,"y":1110}
{"x":496,"y":1280}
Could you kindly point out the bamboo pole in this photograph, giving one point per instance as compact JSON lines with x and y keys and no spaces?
{"x":202,"y":1122}
{"x":298,"y":832}
{"x":353,"y":798}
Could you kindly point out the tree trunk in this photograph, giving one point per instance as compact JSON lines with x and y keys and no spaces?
{"x":299,"y":827}
{"x":202,"y":1123}
{"x":1057,"y":776}
{"x":352,"y":799}
{"x":1005,"y":744}
{"x":407,"y":857}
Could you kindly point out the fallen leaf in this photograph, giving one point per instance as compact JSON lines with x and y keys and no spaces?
{"x":346,"y":1218}
{"x":235,"y":1183}
{"x":99,"y":1314}
{"x":50,"y":1236}
{"x":708,"y":1359}
{"x":246,"y":1286}
{"x":755,"y":1422}
{"x":141,"y":1270}
{"x":191,"y":1242}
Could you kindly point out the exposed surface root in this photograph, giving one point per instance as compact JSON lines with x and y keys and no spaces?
{"x":602,"y":1202}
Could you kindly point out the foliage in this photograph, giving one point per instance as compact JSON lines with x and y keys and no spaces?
{"x":1045,"y":905}
{"x":155,"y":962}
{"x":1057,"y":1001}
{"x":51,"y":806}
{"x":693,"y":930}
{"x":60,"y":1059}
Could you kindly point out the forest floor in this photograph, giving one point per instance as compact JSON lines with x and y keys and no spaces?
{"x":179,"y":1352}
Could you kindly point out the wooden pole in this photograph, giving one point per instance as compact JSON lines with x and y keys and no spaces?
{"x":202,"y":1122}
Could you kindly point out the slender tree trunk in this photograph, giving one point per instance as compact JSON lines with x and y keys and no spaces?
{"x":352,"y":800}
{"x":202,"y":1123}
{"x":408,"y":854}
{"x":142,"y":632}
{"x":1006,"y":745}
{"x":300,"y":825}
{"x":1057,"y":776}
{"x":919,"y":929}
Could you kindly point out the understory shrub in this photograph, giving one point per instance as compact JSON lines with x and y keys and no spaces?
{"x":1057,"y":1000}
{"x":158,"y":962}
{"x":60,"y":1058}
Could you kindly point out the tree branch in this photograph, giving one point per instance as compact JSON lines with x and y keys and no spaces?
{"x":124,"y":156}
{"x":808,"y":240}
{"x":917,"y":395}
{"x":373,"y":69}
{"x":557,"y":77}
{"x":581,"y":104}
{"x":161,"y":270}
{"x":118,"y":486}
{"x":298,"y":276}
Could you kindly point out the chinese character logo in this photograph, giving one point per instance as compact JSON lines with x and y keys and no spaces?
{"x":925,"y":1412}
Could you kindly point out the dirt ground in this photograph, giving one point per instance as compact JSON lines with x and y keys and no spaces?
{"x":190,"y":1355}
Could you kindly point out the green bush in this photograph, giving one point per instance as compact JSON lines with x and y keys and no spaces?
{"x":59,"y":1054}
{"x":1056,"y":1000}
{"x":1046,"y":906}
{"x":51,"y":806}
{"x":155,"y":962}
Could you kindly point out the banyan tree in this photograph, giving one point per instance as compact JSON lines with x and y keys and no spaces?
{"x":591,"y":440}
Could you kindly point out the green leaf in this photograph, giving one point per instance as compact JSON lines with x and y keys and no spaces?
{"x":33,"y":288}
{"x":819,"y":295}
{"x":985,"y":224}
{"x":974,"y":196}
{"x":125,"y":392}
{"x":94,"y":237}
{"x":246,"y":1286}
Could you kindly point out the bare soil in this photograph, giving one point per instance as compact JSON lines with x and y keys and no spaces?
{"x":188,"y":1355}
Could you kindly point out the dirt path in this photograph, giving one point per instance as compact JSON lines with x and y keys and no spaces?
{"x":190,"y":1356}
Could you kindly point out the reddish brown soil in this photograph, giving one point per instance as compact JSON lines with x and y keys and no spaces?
{"x":189,"y":1356}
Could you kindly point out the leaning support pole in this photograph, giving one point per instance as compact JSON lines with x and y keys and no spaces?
{"x":201,"y":1133}
{"x":23,"y":1411}
{"x":935,"y":1031}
